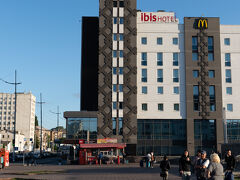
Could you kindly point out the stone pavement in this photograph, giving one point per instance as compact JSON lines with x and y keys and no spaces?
{"x":88,"y":172}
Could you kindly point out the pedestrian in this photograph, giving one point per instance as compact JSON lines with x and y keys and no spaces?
{"x":230,"y":165}
{"x":185,"y":166}
{"x":141,"y":162}
{"x":215,"y":169}
{"x":2,"y":162}
{"x":152,"y":159}
{"x":148,"y":160}
{"x":100,"y":155}
{"x":164,"y":167}
{"x":202,"y":165}
{"x":194,"y":161}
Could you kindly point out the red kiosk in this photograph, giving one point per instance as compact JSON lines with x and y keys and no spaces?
{"x":87,"y":156}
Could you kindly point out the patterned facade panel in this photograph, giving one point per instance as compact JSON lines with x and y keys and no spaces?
{"x":105,"y":69}
{"x":130,"y":73}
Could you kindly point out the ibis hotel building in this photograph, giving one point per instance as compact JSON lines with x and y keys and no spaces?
{"x":159,"y":85}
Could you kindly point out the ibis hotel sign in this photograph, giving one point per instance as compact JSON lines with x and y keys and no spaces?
{"x":158,"y":17}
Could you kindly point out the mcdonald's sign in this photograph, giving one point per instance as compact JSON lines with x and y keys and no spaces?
{"x":202,"y":24}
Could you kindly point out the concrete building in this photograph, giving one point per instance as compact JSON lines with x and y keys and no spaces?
{"x":46,"y":137}
{"x":25,"y":122}
{"x":162,"y":86}
{"x":20,"y":141}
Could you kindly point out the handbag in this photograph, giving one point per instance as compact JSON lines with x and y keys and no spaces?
{"x":163,"y":174}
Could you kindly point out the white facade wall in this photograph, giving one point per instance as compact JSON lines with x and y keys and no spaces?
{"x":25,"y":122}
{"x":232,"y":32}
{"x":168,"y":31}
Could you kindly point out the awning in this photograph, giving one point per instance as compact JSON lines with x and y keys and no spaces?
{"x":105,"y":145}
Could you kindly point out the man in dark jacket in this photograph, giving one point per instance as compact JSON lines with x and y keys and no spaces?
{"x":164,"y":166}
{"x":185,"y":166}
{"x":230,"y":165}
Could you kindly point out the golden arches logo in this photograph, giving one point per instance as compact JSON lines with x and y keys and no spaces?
{"x":202,"y":23}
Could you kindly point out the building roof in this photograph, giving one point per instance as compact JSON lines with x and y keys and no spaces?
{"x":104,"y":145}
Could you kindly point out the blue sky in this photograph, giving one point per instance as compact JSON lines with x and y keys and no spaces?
{"x":41,"y":39}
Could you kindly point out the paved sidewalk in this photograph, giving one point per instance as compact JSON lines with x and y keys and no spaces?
{"x":88,"y":172}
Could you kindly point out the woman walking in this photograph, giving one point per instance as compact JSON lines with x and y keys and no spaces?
{"x":215,"y":169}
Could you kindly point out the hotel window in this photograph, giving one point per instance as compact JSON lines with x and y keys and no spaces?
{"x":212,"y":98}
{"x":121,"y":3}
{"x":159,"y":41}
{"x":176,"y":107}
{"x":120,"y":126}
{"x":114,"y":125}
{"x":194,"y":48}
{"x":114,"y":53}
{"x":144,"y":40}
{"x":159,"y":59}
{"x":144,"y":107}
{"x":160,"y":90}
{"x":175,"y":90}
{"x":194,"y":43}
{"x":227,"y":41}
{"x":114,"y":71}
{"x":175,"y":75}
{"x":115,"y":20}
{"x":159,"y":75}
{"x":210,"y":56}
{"x":228,"y":76}
{"x":175,"y":59}
{"x":144,"y":59}
{"x":194,"y":56}
{"x":144,"y":75}
{"x":175,"y":41}
{"x":121,"y":37}
{"x":114,"y":3}
{"x":229,"y":107}
{"x":227,"y":59}
{"x":120,"y":88}
{"x":196,"y":98}
{"x":121,"y":20}
{"x":160,"y":107}
{"x":120,"y":71}
{"x":211,"y":73}
{"x":210,"y":43}
{"x":195,"y":73}
{"x":121,"y":54}
{"x":115,"y":37}
{"x":120,"y":105}
{"x":114,"y":88}
{"x":144,"y":89}
{"x":229,"y":90}
{"x":114,"y":105}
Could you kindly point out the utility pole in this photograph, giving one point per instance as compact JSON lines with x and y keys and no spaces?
{"x":57,"y":118}
{"x":41,"y":103}
{"x":15,"y":113}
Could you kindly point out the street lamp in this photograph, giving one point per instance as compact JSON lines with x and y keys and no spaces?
{"x":15,"y":113}
{"x":57,"y":113}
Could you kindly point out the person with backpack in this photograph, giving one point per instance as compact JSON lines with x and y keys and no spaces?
{"x":201,"y":166}
{"x":185,"y":166}
{"x":164,"y":166}
{"x":230,"y":165}
{"x":152,"y":159}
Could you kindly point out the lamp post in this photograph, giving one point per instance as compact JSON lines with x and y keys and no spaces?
{"x":57,"y":113}
{"x":15,"y":113}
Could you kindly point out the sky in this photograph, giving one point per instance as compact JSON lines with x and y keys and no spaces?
{"x":41,"y":39}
